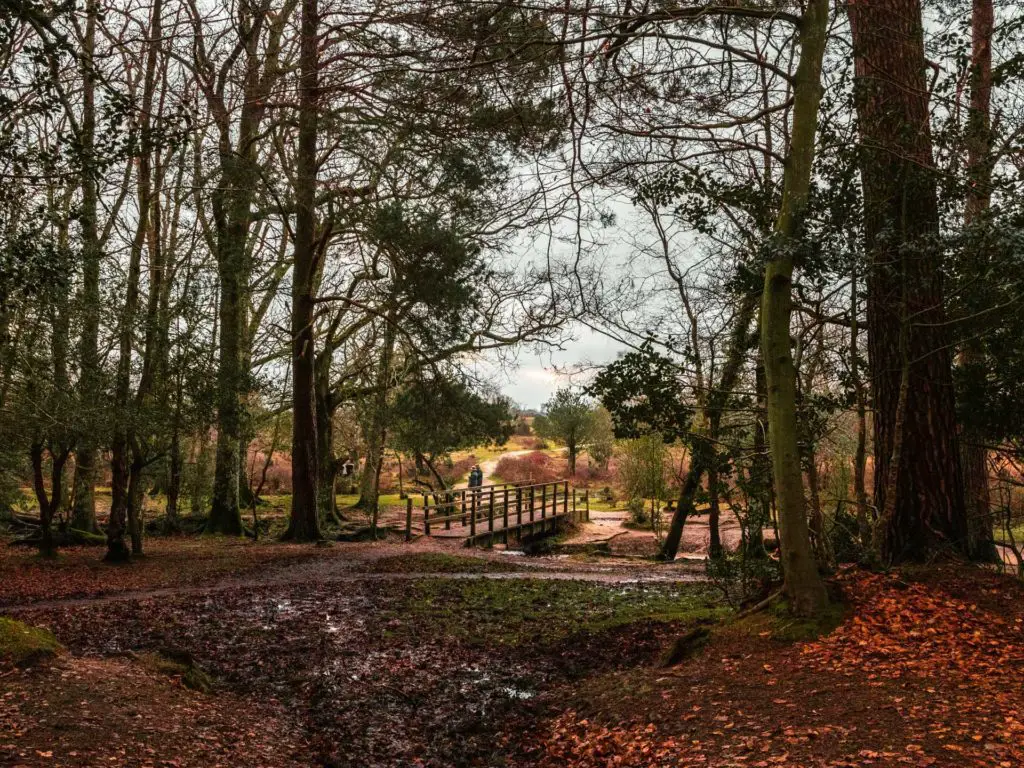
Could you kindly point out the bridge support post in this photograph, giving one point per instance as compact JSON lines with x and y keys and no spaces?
{"x":504,"y":513}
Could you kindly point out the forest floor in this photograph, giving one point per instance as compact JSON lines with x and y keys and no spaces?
{"x":387,"y":654}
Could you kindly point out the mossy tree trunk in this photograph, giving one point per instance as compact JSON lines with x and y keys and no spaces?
{"x":83,"y":513}
{"x":803,"y":585}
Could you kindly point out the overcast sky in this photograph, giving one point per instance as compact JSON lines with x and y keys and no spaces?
{"x":531,"y":381}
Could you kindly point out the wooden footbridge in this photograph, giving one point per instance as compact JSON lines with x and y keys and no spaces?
{"x":492,"y":513}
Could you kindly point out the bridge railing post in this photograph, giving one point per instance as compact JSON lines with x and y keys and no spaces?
{"x":586,"y":501}
{"x":408,"y":518}
{"x":472,"y":514}
{"x":519,"y":506}
{"x":490,"y":512}
{"x":565,"y":499}
{"x":426,"y":515}
{"x":543,"y":502}
{"x":504,"y":510}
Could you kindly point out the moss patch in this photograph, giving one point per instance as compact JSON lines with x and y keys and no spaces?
{"x":25,"y":646}
{"x":488,"y":612}
{"x":779,"y":624}
{"x":180,"y":666}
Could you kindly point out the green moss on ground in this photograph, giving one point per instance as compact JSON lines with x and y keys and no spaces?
{"x":25,"y":646}
{"x":182,"y":667}
{"x":541,"y":612}
{"x":779,"y":624}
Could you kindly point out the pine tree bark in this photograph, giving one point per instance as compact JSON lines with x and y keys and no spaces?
{"x":901,"y":224}
{"x":803,"y":585}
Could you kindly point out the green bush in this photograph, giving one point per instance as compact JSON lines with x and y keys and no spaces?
{"x":637,"y":511}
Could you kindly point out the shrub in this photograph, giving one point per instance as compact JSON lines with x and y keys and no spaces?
{"x":637,"y":511}
{"x":531,"y":469}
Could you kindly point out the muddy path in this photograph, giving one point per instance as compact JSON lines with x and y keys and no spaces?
{"x":391,"y":669}
{"x":355,"y":566}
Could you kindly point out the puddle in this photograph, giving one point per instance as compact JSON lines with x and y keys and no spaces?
{"x":517,"y":693}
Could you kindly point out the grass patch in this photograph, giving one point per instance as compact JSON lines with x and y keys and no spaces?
{"x":1017,"y":531}
{"x":25,"y":646}
{"x":597,"y":505}
{"x":499,"y":612}
{"x":438,"y":562}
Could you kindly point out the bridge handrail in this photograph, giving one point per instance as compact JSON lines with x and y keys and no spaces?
{"x":484,"y":490}
{"x":485,"y":503}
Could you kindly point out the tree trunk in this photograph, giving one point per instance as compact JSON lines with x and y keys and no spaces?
{"x":819,"y":542}
{"x":135,"y":494}
{"x":714,"y":511}
{"x":974,"y":456}
{"x":225,"y":512}
{"x":327,"y":462}
{"x":47,"y":506}
{"x":760,"y":476}
{"x":739,"y":343}
{"x":684,"y":505}
{"x":860,"y":459}
{"x":117,"y":525}
{"x":803,"y":585}
{"x":173,"y":519}
{"x":901,"y":225}
{"x":86,"y":460}
{"x":305,"y":519}
{"x":369,"y":492}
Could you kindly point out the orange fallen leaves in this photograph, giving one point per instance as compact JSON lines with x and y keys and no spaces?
{"x":949,"y":674}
